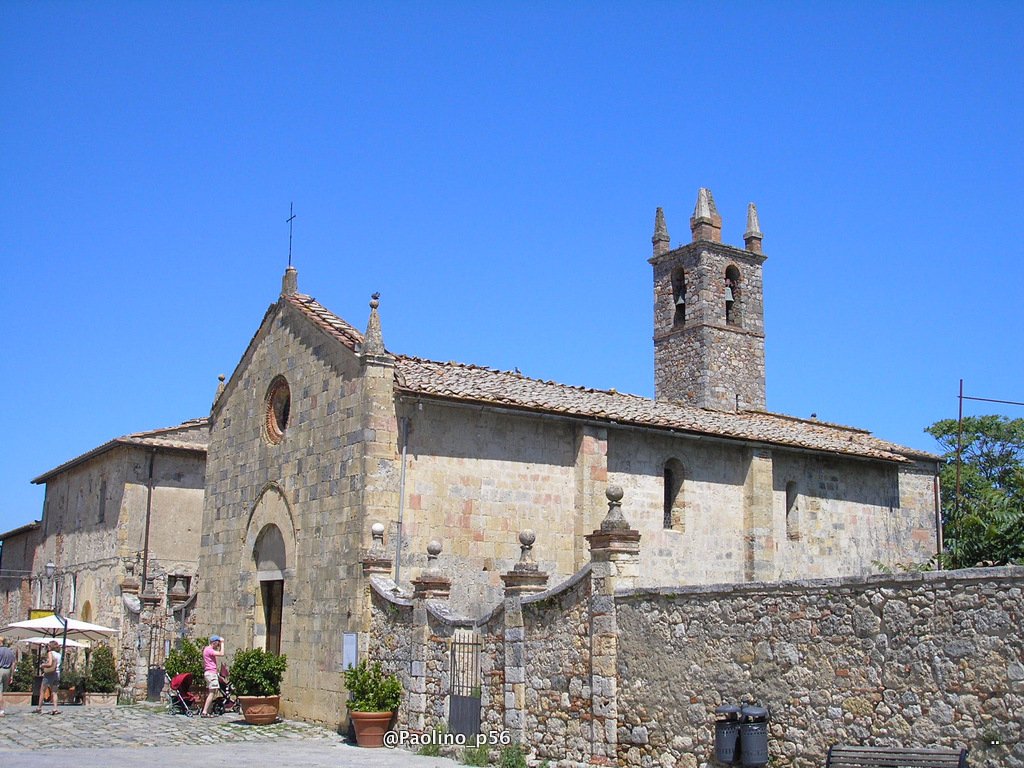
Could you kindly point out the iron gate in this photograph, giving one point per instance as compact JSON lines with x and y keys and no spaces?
{"x":464,"y":694}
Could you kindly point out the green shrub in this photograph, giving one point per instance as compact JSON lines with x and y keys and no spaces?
{"x":102,"y":677}
{"x":476,"y":756}
{"x":512,"y":757}
{"x":434,"y":749}
{"x":70,"y":678}
{"x":187,"y":657}
{"x":257,"y":673}
{"x":24,"y":674}
{"x":371,"y":690}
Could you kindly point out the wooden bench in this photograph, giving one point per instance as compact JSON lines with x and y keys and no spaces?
{"x":894,"y":757}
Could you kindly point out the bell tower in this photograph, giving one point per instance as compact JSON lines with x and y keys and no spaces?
{"x":709,"y":313}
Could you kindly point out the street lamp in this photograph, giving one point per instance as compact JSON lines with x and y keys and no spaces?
{"x":51,"y":569}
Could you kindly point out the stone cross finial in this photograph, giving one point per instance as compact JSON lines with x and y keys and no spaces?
{"x":752,"y":237}
{"x":706,"y":224}
{"x":661,"y":239}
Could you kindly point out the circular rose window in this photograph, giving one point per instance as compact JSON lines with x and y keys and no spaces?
{"x":278,"y":405}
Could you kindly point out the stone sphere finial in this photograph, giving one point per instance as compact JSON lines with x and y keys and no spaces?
{"x":614,"y":521}
{"x":433,"y":550}
{"x":375,"y":300}
{"x":526,"y":538}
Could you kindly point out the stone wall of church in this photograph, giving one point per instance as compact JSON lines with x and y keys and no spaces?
{"x":310,"y":485}
{"x":476,"y":478}
{"x":847,"y":515}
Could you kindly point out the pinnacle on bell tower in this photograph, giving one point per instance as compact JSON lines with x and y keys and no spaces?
{"x":706,"y":224}
{"x":660,"y":241}
{"x":752,"y":237}
{"x":709,"y":314}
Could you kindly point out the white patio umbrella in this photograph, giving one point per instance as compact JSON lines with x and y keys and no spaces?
{"x":46,"y":641}
{"x":56,"y":627}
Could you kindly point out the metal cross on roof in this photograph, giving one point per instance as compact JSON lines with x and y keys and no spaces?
{"x":290,"y":219}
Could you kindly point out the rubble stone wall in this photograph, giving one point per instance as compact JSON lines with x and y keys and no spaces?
{"x":934,"y":659}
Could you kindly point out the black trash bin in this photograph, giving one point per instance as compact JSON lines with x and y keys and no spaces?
{"x":727,"y":733}
{"x":754,"y":735}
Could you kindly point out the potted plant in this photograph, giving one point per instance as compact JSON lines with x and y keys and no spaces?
{"x":20,"y":690}
{"x":188,"y":657}
{"x":256,"y":677}
{"x":70,"y":687}
{"x":101,"y":682}
{"x":373,"y":699}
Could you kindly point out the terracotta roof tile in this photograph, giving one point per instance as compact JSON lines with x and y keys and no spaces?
{"x":471,"y":383}
{"x":503,"y":388}
{"x":326,"y":320}
{"x":191,"y":435}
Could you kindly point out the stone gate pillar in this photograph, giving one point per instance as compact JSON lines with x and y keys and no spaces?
{"x":615,"y":564}
{"x":428,"y":586}
{"x":375,"y":563}
{"x":524,"y":579}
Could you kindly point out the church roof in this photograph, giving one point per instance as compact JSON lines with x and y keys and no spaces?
{"x":487,"y":386}
{"x":325,"y":320}
{"x":456,"y":381}
{"x":191,"y":435}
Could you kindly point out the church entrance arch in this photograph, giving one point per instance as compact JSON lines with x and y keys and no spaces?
{"x":270,"y":538}
{"x":270,"y":563}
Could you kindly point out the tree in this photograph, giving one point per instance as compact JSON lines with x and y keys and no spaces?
{"x":985,"y":524}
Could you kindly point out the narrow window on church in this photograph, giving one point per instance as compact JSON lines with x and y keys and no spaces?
{"x":679,"y":297}
{"x":673,"y":512}
{"x":792,"y":512}
{"x":732,"y":296}
{"x":103,"y":501}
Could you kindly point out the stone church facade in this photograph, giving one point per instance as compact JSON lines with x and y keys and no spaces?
{"x":321,"y":432}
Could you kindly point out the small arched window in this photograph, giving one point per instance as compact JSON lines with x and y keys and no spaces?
{"x":792,"y":511}
{"x":679,"y":297}
{"x":674,"y":519}
{"x":732,"y":295}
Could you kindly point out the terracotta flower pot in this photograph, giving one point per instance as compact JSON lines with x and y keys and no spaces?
{"x":370,"y":727}
{"x":260,"y":710}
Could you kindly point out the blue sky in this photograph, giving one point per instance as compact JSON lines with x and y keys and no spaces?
{"x":493,"y":170}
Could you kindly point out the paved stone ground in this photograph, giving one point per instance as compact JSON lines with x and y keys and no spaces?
{"x":145,"y":734}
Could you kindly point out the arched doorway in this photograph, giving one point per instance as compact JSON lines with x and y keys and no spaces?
{"x":269,"y":555}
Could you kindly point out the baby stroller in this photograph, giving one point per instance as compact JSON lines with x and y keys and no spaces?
{"x":228,"y":700}
{"x":181,"y":700}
